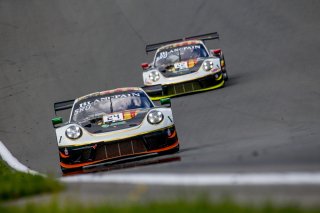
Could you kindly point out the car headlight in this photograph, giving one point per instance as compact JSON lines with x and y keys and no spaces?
{"x":73,"y":132}
{"x":155,"y":117}
{"x":208,"y":65}
{"x":154,"y":76}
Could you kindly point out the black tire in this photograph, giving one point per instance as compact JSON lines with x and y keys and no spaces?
{"x":66,"y":171}
{"x":224,"y":71}
{"x":225,"y":76}
{"x":171,"y":151}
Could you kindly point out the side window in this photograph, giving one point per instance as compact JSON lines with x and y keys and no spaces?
{"x":203,"y":52}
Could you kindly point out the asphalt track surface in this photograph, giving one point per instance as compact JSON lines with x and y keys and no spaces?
{"x":266,"y":118}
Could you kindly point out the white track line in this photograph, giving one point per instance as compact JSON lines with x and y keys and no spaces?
{"x":292,"y":178}
{"x":201,"y":179}
{"x":12,"y":161}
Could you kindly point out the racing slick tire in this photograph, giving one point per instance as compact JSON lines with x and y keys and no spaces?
{"x":224,"y":69}
{"x":171,"y":151}
{"x":66,"y":171}
{"x":225,"y":76}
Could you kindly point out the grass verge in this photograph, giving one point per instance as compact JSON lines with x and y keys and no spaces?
{"x":15,"y":184}
{"x":197,"y":206}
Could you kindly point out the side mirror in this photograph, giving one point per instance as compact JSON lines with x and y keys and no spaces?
{"x":164,"y":101}
{"x":145,"y":66}
{"x":57,"y":120}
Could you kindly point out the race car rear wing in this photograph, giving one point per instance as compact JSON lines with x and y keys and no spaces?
{"x":204,"y":37}
{"x":63,"y":105}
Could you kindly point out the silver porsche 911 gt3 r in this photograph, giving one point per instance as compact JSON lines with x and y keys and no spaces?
{"x":113,"y":125}
{"x":183,"y":66}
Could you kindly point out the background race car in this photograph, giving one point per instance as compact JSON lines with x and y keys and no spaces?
{"x":183,"y":66}
{"x":113,"y":125}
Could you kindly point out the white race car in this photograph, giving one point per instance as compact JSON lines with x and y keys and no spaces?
{"x":183,"y":66}
{"x":113,"y":125}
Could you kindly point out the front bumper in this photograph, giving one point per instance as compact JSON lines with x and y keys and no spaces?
{"x":209,"y":82}
{"x":153,"y":142}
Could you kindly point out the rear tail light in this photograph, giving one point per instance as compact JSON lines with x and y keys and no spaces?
{"x":145,"y":66}
{"x":216,"y":51}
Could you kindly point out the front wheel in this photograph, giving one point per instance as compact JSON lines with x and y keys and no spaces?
{"x":225,"y":75}
{"x":171,"y":151}
{"x":68,"y":171}
{"x":223,"y":68}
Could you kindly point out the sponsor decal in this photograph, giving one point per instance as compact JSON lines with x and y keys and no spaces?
{"x":191,"y":63}
{"x":86,"y":105}
{"x":127,"y":115}
{"x":166,"y":53}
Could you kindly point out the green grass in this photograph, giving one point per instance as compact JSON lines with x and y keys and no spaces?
{"x":15,"y":184}
{"x":197,"y":206}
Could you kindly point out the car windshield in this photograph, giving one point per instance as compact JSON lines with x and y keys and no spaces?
{"x":100,"y":105}
{"x":175,"y":54}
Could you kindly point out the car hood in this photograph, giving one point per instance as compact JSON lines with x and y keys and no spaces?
{"x":131,"y":118}
{"x":170,"y":71}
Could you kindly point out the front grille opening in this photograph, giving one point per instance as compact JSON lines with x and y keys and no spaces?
{"x":155,"y":141}
{"x":180,"y":88}
{"x":121,"y":148}
{"x":138,"y":146}
{"x":126,"y":148}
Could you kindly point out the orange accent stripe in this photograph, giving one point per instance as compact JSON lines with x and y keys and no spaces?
{"x":63,"y":155}
{"x":72,"y":166}
{"x":173,"y":134}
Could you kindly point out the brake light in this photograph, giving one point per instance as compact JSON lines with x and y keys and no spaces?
{"x":144,"y":66}
{"x":216,"y":51}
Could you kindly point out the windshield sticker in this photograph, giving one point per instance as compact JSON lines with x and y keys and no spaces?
{"x":86,"y":105}
{"x":164,"y":54}
{"x":130,"y":114}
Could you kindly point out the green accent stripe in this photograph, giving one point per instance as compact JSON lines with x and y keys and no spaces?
{"x":199,"y":90}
